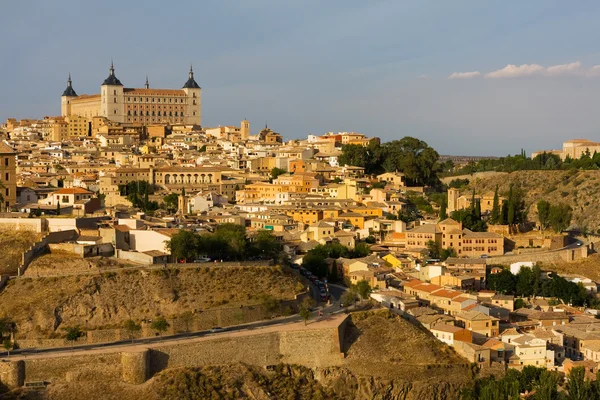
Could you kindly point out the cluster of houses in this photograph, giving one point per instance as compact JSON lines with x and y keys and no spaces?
{"x":484,"y":326}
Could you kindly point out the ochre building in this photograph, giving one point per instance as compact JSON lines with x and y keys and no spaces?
{"x":136,"y":105}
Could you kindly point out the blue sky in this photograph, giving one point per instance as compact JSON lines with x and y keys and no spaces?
{"x":383,"y":68}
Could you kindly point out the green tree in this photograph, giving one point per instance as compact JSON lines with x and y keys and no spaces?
{"x":8,"y":345}
{"x":348,"y":298}
{"x":560,"y":216}
{"x":160,"y":325}
{"x":363,"y":288}
{"x":434,"y":249}
{"x":578,"y":386}
{"x":72,"y":334}
{"x":304,"y":313}
{"x":511,"y":207}
{"x":495,"y":214}
{"x":334,"y":273}
{"x":183,"y":245}
{"x":171,"y":202}
{"x":132,"y":328}
{"x":447,"y":253}
{"x":519,"y":303}
{"x":443,"y":214}
{"x":266,"y":245}
{"x":58,"y":207}
{"x":360,"y":250}
{"x":275,"y":172}
{"x":524,"y":284}
{"x":547,"y":386}
{"x":543,"y":209}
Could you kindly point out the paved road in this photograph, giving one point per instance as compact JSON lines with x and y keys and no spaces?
{"x":335,"y":291}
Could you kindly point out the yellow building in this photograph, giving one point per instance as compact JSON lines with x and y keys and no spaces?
{"x":132,"y":105}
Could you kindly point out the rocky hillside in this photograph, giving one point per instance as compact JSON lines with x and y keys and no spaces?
{"x":41,"y":307}
{"x":387,"y":358}
{"x":579,"y":189}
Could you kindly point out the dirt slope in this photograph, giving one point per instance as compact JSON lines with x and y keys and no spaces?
{"x":42,"y":306}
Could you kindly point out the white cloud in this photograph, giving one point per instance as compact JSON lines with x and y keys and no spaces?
{"x":573,"y":68}
{"x":594,"y":71}
{"x":513,"y":71}
{"x":464,"y":75}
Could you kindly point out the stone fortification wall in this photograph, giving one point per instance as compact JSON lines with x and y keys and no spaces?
{"x":32,"y":224}
{"x":94,"y":367}
{"x":312,"y":346}
{"x":543,"y":257}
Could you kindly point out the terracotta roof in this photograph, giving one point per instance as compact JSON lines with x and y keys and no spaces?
{"x":6,"y":149}
{"x":75,"y":190}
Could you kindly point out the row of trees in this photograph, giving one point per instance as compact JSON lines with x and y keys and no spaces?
{"x":228,"y":242}
{"x":529,"y":282}
{"x":520,"y":162}
{"x":555,"y":216}
{"x":409,"y":155}
{"x":541,"y":383}
{"x":512,"y":211}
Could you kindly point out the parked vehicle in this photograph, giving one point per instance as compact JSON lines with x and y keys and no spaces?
{"x":217,"y":329}
{"x":202,"y":260}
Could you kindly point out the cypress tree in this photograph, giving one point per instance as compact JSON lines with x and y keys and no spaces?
{"x":478,"y":210}
{"x":495,"y":217}
{"x":511,"y":207}
{"x":58,"y":208}
{"x":443,"y":213}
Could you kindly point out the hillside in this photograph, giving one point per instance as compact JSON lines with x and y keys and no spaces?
{"x":42,"y":307}
{"x":387,"y":358}
{"x":579,"y":189}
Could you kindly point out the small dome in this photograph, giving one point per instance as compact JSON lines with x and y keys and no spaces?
{"x":112,"y":80}
{"x":191,"y":83}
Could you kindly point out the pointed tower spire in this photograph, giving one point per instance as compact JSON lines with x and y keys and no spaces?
{"x":69,"y":91}
{"x":112,"y":79}
{"x":147,"y":86}
{"x":191,"y":83}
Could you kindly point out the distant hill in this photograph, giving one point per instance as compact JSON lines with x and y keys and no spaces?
{"x":579,"y":189}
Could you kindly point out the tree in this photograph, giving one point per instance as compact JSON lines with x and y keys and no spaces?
{"x":443,"y":215}
{"x":495,"y":215}
{"x":8,"y":345}
{"x":275,"y":172}
{"x":434,"y":249}
{"x":160,"y":325}
{"x":363,"y":288}
{"x":511,"y":207}
{"x":578,"y":385}
{"x":477,"y":211}
{"x":304,"y":313}
{"x":523,"y":285}
{"x":360,"y":250}
{"x":58,"y":207}
{"x":447,"y":253}
{"x":349,"y":297}
{"x":183,"y":245}
{"x":543,"y":209}
{"x":131,"y":327}
{"x":559,"y":217}
{"x":334,"y":273}
{"x":547,"y":386}
{"x":73,"y":333}
{"x":171,"y":202}
{"x":519,"y":303}
{"x":266,"y":245}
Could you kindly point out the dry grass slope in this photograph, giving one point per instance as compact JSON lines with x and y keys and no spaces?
{"x":41,"y":306}
{"x":579,"y":189}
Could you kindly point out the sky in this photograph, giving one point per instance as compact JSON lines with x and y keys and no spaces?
{"x":468,"y":77}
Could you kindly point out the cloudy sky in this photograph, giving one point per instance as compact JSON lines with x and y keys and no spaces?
{"x":469,"y":77}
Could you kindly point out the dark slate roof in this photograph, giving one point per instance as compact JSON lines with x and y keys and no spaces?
{"x":112,"y":80}
{"x":69,"y":91}
{"x":191,"y":84}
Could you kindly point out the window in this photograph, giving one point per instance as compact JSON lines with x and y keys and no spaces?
{"x":115,"y":111}
{"x":7,"y":191}
{"x":115,"y":92}
{"x":6,"y":161}
{"x":7,"y":177}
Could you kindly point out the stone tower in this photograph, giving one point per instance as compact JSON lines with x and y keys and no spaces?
{"x":453,"y":195}
{"x":245,"y":128}
{"x":112,"y":104}
{"x":191,"y":88}
{"x":65,"y":100}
